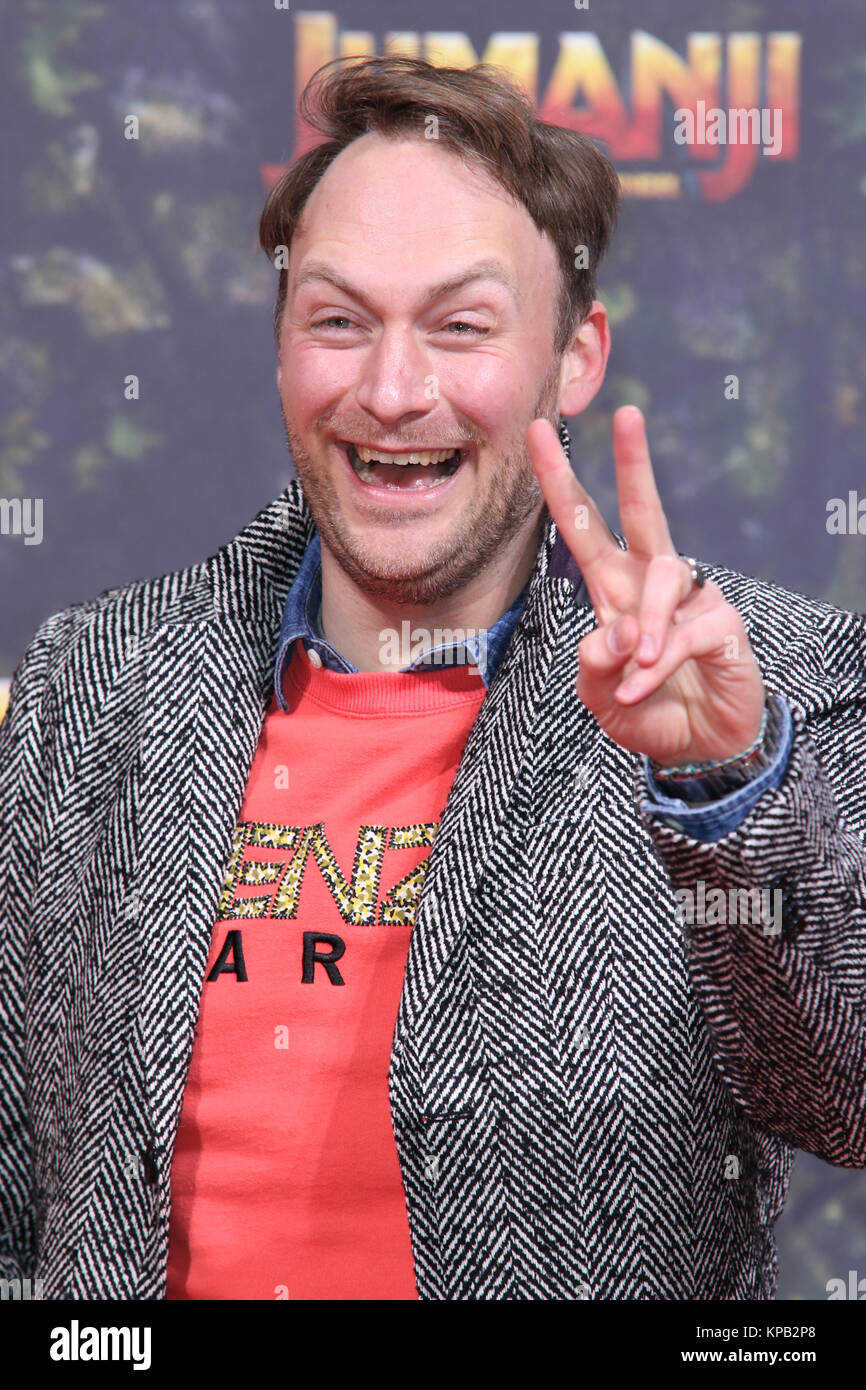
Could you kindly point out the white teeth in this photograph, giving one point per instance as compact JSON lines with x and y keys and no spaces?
{"x":364,"y":466}
{"x":421,"y":456}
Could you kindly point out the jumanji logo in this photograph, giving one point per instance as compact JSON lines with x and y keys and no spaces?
{"x":725,"y":82}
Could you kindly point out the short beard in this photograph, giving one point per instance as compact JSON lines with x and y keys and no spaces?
{"x":446,"y":566}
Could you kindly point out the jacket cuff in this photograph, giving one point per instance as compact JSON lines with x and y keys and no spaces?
{"x":706,"y":820}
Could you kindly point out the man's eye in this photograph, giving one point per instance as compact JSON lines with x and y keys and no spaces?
{"x":461,"y":324}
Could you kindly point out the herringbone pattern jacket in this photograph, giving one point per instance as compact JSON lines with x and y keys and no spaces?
{"x":589,"y":1098}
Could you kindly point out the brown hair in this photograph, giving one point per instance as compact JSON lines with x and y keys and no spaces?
{"x":568,"y":187}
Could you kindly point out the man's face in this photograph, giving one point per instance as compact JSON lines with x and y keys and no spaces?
{"x":376,"y":353}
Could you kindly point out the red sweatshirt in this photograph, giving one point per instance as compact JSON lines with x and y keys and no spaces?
{"x":285,"y":1181}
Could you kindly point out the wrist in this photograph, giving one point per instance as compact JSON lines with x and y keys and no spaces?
{"x":720,"y":777}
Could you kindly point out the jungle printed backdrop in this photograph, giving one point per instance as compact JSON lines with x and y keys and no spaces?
{"x":140,"y":426}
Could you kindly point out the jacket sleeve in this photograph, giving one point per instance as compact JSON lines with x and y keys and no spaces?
{"x":710,"y":818}
{"x":783,"y":988}
{"x":22,"y":799}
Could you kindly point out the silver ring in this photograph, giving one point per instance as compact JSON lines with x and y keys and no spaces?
{"x":698,"y":573}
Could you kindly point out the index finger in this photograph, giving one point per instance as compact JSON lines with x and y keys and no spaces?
{"x":578,"y":520}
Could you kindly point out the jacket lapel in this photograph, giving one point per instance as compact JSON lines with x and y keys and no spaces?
{"x":208,"y":682}
{"x":481,"y":792}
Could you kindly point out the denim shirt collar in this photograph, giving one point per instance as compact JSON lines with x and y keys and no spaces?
{"x":301,"y":620}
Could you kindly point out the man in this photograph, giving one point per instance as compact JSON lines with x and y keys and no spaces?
{"x":382,"y":918}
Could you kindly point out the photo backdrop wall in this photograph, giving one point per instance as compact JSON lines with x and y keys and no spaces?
{"x":140,"y":425}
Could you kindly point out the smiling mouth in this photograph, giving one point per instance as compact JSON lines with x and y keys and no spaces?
{"x":415,"y":470}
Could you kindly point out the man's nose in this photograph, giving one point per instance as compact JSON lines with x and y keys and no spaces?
{"x":397,"y":376}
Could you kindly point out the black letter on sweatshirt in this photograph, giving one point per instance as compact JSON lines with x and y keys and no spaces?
{"x":329,"y":961}
{"x":232,"y":946}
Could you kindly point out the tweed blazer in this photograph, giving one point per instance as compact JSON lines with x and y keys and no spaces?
{"x":591,"y":1097}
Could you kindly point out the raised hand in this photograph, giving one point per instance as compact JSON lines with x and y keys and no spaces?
{"x":669,"y":670}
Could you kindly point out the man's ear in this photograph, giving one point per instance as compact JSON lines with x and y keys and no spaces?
{"x":585,"y":361}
